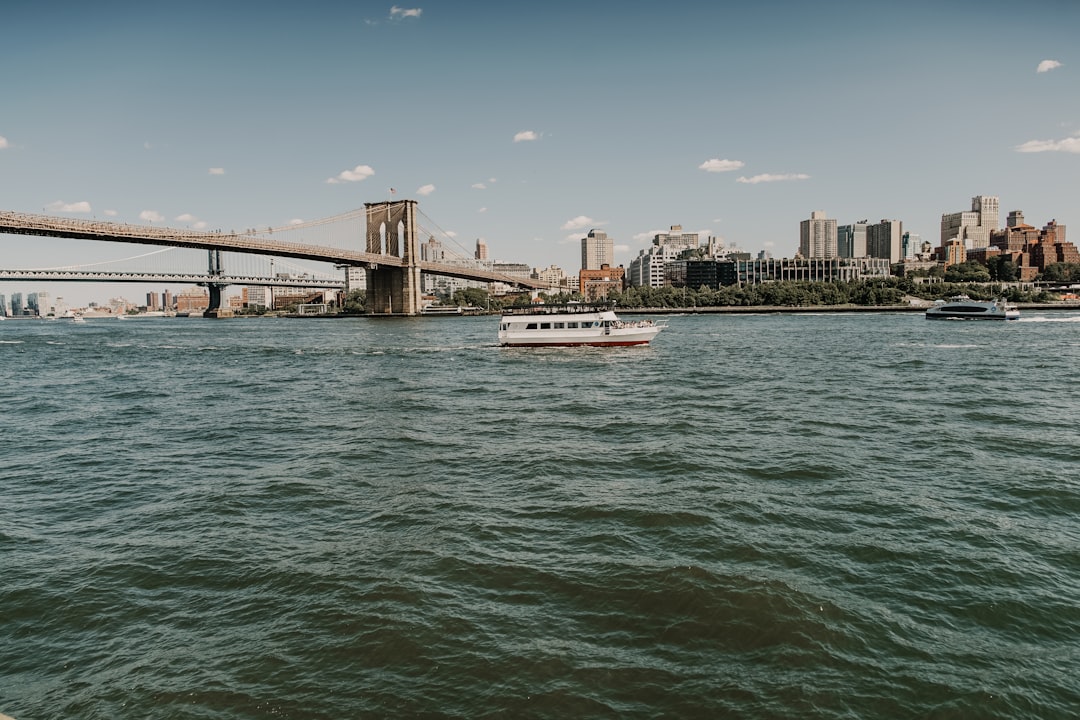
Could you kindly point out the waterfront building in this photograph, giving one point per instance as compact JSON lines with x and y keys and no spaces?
{"x":167,"y":300}
{"x":355,"y":278}
{"x":481,"y":250}
{"x":972,"y":227}
{"x":32,"y":304}
{"x":884,"y":240}
{"x":817,"y":236}
{"x":16,"y":304}
{"x":3,"y":306}
{"x":648,"y":268}
{"x":755,"y":272}
{"x":258,"y":296}
{"x":651,"y":267}
{"x":152,"y":302}
{"x":194,"y":299}
{"x":595,"y":285}
{"x":851,"y":240}
{"x":556,"y":278}
{"x":597,"y":250}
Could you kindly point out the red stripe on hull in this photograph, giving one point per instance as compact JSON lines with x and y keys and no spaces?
{"x":622,"y":343}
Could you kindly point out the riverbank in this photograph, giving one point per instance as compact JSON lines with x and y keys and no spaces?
{"x":816,"y":309}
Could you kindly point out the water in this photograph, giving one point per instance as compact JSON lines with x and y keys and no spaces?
{"x":828,"y":516}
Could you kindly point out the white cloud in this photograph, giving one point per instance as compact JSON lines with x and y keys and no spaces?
{"x":482,"y":210}
{"x":186,"y":218}
{"x":358,"y":173}
{"x":574,"y":238}
{"x":111,"y":213}
{"x":296,"y":221}
{"x":397,"y":12}
{"x":146,"y":145}
{"x":620,"y":248}
{"x":718,"y":165}
{"x":769,"y":177}
{"x":425,"y":189}
{"x":451,"y":234}
{"x":581,"y":222}
{"x":526,"y":136}
{"x":75,"y":207}
{"x":1047,"y":66}
{"x":1068,"y":145}
{"x":479,"y":186}
{"x":3,"y":142}
{"x":200,"y":225}
{"x":151,"y":216}
{"x":217,"y":171}
{"x":493,"y":180}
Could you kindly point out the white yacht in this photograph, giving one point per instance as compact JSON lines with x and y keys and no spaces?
{"x":571,"y":325}
{"x":961,"y":307}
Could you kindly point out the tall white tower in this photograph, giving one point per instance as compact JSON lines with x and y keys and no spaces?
{"x":597,"y":250}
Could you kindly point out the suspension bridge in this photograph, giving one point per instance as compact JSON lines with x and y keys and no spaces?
{"x":389,"y":230}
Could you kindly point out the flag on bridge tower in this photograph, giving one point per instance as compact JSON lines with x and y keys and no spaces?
{"x":392,"y":191}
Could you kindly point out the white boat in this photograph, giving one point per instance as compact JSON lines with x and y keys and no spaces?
{"x":572,"y":325}
{"x":961,"y":307}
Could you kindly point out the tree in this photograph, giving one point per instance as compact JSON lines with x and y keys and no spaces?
{"x":354,"y":302}
{"x":969,"y":271}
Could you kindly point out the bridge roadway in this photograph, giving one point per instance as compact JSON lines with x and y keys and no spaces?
{"x":194,"y":278}
{"x":16,"y":223}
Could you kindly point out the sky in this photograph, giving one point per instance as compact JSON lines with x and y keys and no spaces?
{"x":528,"y":124}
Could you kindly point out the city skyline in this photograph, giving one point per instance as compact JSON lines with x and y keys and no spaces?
{"x":526,"y":127}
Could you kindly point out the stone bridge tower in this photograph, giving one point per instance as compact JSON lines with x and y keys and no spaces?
{"x":391,"y":230}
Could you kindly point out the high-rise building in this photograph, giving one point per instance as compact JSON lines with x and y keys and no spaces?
{"x":481,"y":250}
{"x":166,"y":300}
{"x":676,"y":239}
{"x":972,"y":227}
{"x":16,"y":304}
{"x":3,"y":306}
{"x":851,"y":240}
{"x":152,"y":301}
{"x":911,"y":245}
{"x":432,"y":250}
{"x":885,"y":240}
{"x":817,"y":236}
{"x":649,"y":268}
{"x":597,"y":250}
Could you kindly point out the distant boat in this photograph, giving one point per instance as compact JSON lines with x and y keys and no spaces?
{"x":961,"y":307}
{"x":572,"y":325}
{"x":78,"y":319}
{"x":442,"y":310}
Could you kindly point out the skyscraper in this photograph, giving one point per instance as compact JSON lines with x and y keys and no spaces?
{"x":597,"y":250}
{"x":3,"y":306}
{"x":973,"y":227}
{"x":885,"y":240}
{"x":817,"y":236}
{"x":851,"y":240}
{"x":481,"y":250}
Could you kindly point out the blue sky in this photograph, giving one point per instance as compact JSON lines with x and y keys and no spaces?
{"x":528,"y":124}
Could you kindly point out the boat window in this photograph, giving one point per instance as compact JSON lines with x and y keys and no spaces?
{"x":530,"y":326}
{"x":503,"y":326}
{"x":572,"y":325}
{"x":559,"y":326}
{"x":545,"y":326}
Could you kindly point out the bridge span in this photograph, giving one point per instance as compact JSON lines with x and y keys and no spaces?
{"x":392,"y":254}
{"x":192,"y":278}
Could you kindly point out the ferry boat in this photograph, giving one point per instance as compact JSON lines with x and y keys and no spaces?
{"x":961,"y":307}
{"x":572,"y":325}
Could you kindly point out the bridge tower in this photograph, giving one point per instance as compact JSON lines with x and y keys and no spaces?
{"x":391,"y":230}
{"x":216,"y":268}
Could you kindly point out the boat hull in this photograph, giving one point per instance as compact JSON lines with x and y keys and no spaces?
{"x":962,"y":307}
{"x":574,"y":329}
